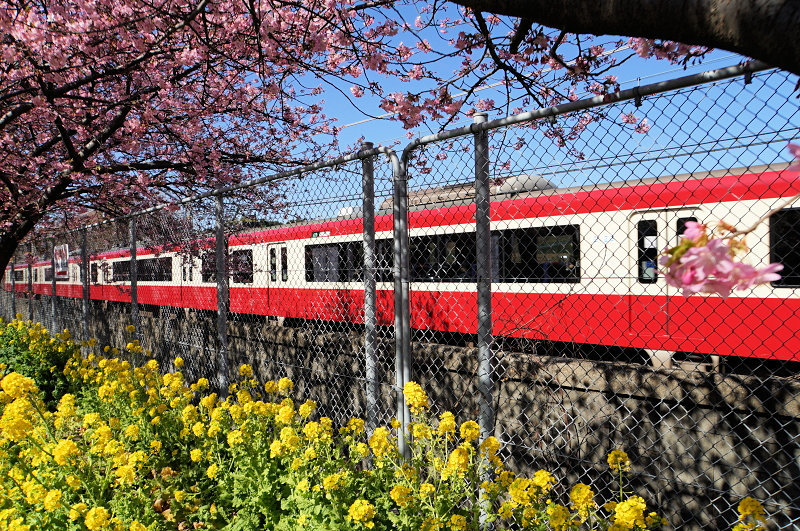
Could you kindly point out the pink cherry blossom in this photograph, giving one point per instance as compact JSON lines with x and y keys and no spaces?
{"x":700,"y":264}
{"x":794,"y":149}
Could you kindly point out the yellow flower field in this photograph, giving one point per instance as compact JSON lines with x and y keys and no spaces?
{"x":134,"y":448}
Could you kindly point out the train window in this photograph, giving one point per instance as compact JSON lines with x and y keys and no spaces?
{"x":273,"y":265}
{"x":121,"y":271}
{"x":681,"y":226}
{"x":448,"y":257}
{"x":384,"y":260}
{"x":322,"y":263}
{"x":187,"y":269}
{"x":647,"y":259}
{"x":540,"y":254}
{"x":154,"y":269}
{"x":94,"y":273}
{"x":242,"y":266}
{"x":19,"y":275}
{"x":784,"y":245}
{"x":351,"y":262}
{"x":48,"y":274}
{"x":284,"y":265}
{"x":208,"y":267}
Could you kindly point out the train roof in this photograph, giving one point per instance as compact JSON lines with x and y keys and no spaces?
{"x":464,"y":194}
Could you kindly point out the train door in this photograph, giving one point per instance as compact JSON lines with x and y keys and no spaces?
{"x":647,"y":289}
{"x":277,"y":280}
{"x":651,"y":322}
{"x":680,"y":318}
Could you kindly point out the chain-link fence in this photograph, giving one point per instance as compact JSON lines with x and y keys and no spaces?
{"x":511,"y":267}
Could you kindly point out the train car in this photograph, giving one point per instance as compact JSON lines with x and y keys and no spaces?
{"x":571,"y":265}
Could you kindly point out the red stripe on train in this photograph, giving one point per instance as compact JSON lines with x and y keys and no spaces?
{"x":706,"y":325}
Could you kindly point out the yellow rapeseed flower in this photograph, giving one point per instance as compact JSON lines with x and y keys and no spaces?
{"x":334,"y":481}
{"x":401,"y":495}
{"x":751,"y":507}
{"x":447,"y":423}
{"x":64,"y":450}
{"x":126,"y":474}
{"x":470,"y":431}
{"x":355,"y":426}
{"x":97,"y":518}
{"x":15,"y":423}
{"x":362,"y":512}
{"x":630,"y":513}
{"x":458,"y":522}
{"x":420,"y":430}
{"x":458,"y":463}
{"x":381,"y":443}
{"x":235,"y":437}
{"x":307,"y":408}
{"x":16,"y":385}
{"x":558,"y":515}
{"x":416,"y":398}
{"x":426,"y":489}
{"x":582,"y":499}
{"x":619,"y":461}
{"x":77,"y":510}
{"x":52,"y":500}
{"x":285,"y":386}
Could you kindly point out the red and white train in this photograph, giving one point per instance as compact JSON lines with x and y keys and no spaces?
{"x":569,"y":265}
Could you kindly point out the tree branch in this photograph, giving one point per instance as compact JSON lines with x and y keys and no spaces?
{"x":761,"y":29}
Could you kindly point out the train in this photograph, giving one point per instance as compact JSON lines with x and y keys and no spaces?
{"x":569,"y":265}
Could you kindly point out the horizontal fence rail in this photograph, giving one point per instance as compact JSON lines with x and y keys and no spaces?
{"x":511,"y":268}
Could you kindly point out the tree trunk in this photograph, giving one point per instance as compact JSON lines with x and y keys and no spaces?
{"x":761,"y":29}
{"x":11,"y":238}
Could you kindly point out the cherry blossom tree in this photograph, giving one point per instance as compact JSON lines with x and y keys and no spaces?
{"x":108,"y":106}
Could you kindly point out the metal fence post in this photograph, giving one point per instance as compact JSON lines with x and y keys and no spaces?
{"x":401,"y":302}
{"x":370,"y":296}
{"x":53,"y":301}
{"x":13,"y":289}
{"x":483,"y":241}
{"x":134,"y":274}
{"x":85,"y":284}
{"x":222,"y":295}
{"x":30,"y":282}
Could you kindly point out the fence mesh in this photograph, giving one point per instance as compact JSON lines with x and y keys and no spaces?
{"x":589,"y":349}
{"x":592,"y":349}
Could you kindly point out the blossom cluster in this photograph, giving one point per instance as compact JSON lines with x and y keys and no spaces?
{"x":702,"y":263}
